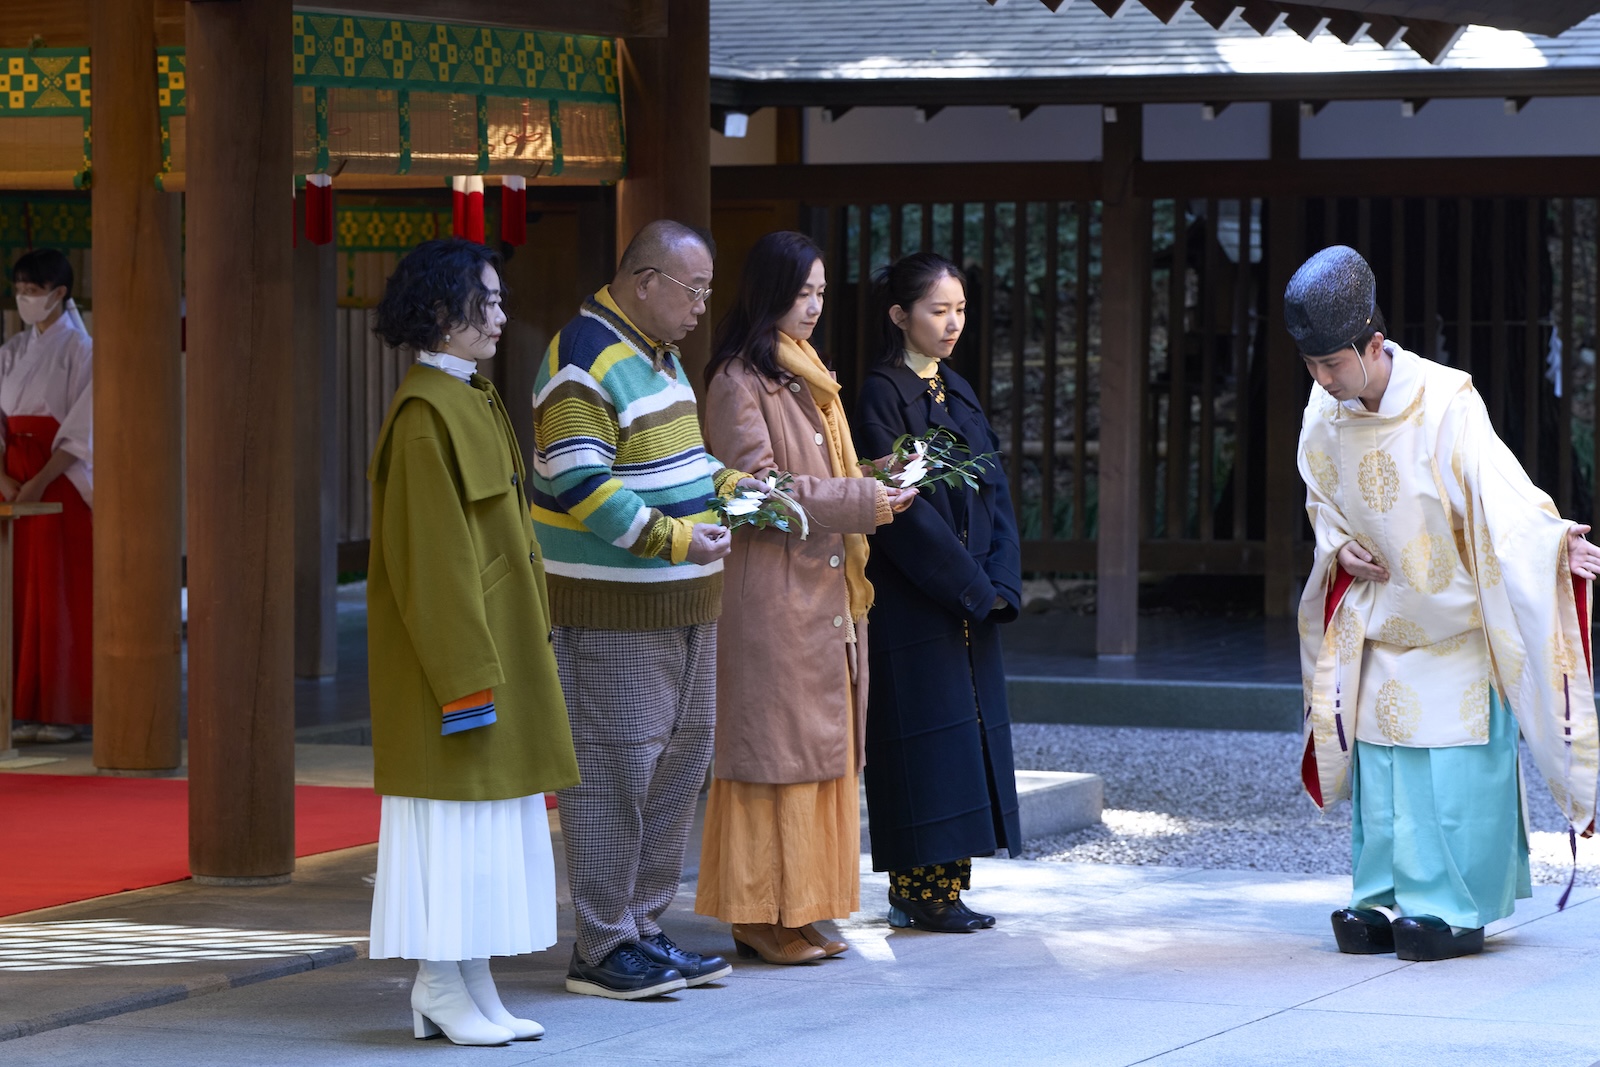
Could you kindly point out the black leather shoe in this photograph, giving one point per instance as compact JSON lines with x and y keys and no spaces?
{"x":695,"y":968}
{"x":940,"y":916}
{"x":1362,"y":932}
{"x":985,"y":921}
{"x":626,"y":974}
{"x":1424,"y":938}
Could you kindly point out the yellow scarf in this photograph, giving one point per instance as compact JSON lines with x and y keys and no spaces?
{"x":801,"y":360}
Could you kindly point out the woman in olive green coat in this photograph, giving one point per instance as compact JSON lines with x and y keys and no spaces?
{"x":469,"y":728}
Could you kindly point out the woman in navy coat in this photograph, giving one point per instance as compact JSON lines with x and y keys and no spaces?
{"x":940,"y":783}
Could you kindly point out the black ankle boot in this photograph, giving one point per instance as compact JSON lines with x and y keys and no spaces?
{"x":940,"y":916}
{"x":986,"y":921}
{"x":1362,"y":932}
{"x":1424,"y":938}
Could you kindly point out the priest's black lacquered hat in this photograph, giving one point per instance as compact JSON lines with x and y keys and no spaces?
{"x":1330,"y":301}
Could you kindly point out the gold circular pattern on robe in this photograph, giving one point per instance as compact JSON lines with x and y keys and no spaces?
{"x":1488,"y":562}
{"x":1379,"y":479}
{"x":1429,"y":562}
{"x":1449,"y":644}
{"x":1348,"y":635}
{"x":1323,"y":470}
{"x":1402,"y":632}
{"x":1475,"y":710}
{"x":1399,"y":711}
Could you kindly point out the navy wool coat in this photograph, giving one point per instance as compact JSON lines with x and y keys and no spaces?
{"x":939,"y":774}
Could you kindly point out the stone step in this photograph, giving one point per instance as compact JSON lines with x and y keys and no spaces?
{"x":1048,"y":802}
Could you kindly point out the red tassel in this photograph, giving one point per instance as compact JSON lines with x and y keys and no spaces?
{"x":458,"y":206}
{"x":319,"y":209}
{"x":475,"y":209}
{"x":514,"y":209}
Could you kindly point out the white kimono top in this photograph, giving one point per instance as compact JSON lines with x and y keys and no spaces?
{"x":49,"y":373}
{"x":1479,"y":594}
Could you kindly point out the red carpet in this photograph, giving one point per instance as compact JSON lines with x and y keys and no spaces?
{"x":71,"y":837}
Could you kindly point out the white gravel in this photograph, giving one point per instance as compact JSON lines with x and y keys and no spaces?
{"x":1230,"y":800}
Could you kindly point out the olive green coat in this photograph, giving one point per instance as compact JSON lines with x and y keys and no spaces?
{"x":456,"y":602}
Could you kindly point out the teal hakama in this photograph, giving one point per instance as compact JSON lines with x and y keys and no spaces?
{"x":1439,"y":831}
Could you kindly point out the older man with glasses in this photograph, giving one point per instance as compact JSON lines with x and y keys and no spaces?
{"x":634,"y":564}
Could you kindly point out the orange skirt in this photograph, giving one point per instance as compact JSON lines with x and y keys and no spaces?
{"x":785,"y":854}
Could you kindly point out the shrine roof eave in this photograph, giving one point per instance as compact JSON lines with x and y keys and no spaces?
{"x":740,"y":94}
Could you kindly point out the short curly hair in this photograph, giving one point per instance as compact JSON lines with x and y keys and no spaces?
{"x":436,"y":287}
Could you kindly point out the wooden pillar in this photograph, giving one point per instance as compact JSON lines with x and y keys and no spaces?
{"x":240,"y":444}
{"x":138,"y":415}
{"x":1124,"y":298}
{"x":1285,"y":495}
{"x":316,"y":457}
{"x":666,"y":87}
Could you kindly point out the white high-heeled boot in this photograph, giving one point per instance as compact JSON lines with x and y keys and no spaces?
{"x":440,"y":1001}
{"x":480,"y":983}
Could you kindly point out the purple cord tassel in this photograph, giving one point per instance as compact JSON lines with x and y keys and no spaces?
{"x":1572,"y":832}
{"x":1572,"y":838}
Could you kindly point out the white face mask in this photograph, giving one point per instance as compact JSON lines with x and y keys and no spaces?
{"x":33,"y":310}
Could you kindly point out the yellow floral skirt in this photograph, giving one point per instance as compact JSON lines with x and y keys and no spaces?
{"x":785,"y":854}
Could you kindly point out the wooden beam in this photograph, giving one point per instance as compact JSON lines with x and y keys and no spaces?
{"x":1284,"y":246}
{"x":947,"y":183}
{"x":842,"y":93}
{"x":601,"y":18}
{"x":1166,"y":10}
{"x":1218,"y":14}
{"x":316,"y":457}
{"x":1263,"y":17}
{"x":1308,"y":22}
{"x":1346,"y":25}
{"x":1531,"y":176}
{"x":1386,"y":31}
{"x":138,"y":417}
{"x":240,"y":439}
{"x":666,"y":97}
{"x":1431,"y":40}
{"x":1112,"y":8}
{"x":1124,"y":294}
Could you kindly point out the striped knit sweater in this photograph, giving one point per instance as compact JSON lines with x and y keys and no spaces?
{"x":620,"y":477}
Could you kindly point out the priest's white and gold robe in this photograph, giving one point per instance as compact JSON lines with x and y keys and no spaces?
{"x":1479,"y":591}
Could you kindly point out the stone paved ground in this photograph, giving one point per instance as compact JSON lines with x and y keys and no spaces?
{"x":1231,"y":800}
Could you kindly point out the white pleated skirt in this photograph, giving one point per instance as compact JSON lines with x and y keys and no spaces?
{"x":463,"y":880}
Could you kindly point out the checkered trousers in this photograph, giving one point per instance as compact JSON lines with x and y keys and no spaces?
{"x":643,"y":709}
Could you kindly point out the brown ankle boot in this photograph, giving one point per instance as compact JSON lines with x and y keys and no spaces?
{"x":828,"y":945}
{"x":773,"y":943}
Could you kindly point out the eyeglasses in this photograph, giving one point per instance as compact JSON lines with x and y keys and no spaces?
{"x":695,"y":295}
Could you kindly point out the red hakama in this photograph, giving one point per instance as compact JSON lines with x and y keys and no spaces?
{"x":53,"y":588}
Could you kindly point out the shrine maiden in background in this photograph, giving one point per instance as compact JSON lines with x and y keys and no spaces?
{"x":47,"y":404}
{"x":1448,"y":606}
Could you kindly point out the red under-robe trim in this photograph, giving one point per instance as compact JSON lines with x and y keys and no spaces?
{"x":1308,"y":762}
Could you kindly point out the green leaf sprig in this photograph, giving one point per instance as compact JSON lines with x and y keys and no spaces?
{"x":933,"y":459}
{"x":776,"y":510}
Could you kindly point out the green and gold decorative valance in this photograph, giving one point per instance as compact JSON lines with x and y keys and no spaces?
{"x":36,"y":221}
{"x":381,"y":101}
{"x":44,"y":118}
